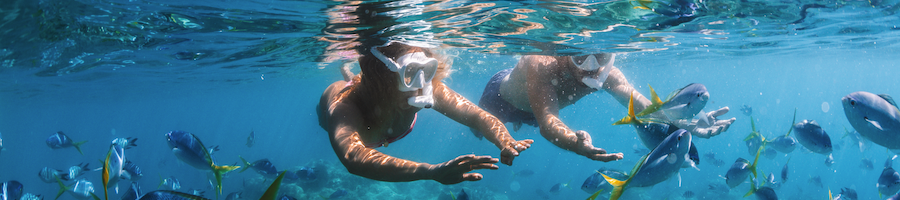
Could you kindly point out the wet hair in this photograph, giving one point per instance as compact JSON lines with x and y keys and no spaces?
{"x":379,"y":81}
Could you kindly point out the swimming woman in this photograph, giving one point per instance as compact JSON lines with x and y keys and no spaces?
{"x":379,"y":106}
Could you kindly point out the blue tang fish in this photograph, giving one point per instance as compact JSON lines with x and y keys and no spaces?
{"x":189,"y":149}
{"x":875,"y":117}
{"x":60,"y":140}
{"x":170,"y":195}
{"x":595,"y":182}
{"x":262,"y":166}
{"x":663,"y":162}
{"x":683,"y":103}
{"x":889,"y":180}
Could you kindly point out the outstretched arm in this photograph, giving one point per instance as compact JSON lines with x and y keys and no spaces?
{"x":543,"y":100}
{"x":460,"y":109}
{"x":617,"y":86}
{"x":342,"y":121}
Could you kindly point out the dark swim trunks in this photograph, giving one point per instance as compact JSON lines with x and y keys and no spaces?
{"x":503,"y":110}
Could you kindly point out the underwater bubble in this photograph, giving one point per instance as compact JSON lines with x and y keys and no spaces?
{"x":514,"y":186}
{"x":825,"y":107}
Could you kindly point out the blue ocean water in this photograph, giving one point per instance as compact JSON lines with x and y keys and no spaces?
{"x":102,"y":69}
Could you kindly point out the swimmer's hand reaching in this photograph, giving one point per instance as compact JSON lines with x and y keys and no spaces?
{"x":457,"y":170}
{"x":509,"y":153}
{"x":709,"y":127}
{"x":587,"y":149}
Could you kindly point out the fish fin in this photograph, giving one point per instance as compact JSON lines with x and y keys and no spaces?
{"x":888,"y":98}
{"x":272,"y":192}
{"x":753,"y":166}
{"x":631,"y":117}
{"x":618,"y":186}
{"x":671,"y":158}
{"x":105,"y":175}
{"x":219,"y":171}
{"x":752,"y":190}
{"x":452,"y":196}
{"x":704,"y":118}
{"x":62,"y":188}
{"x":323,"y":197}
{"x":792,"y":123}
{"x":679,"y":179}
{"x":161,"y":181}
{"x":245,"y":163}
{"x":875,"y":124}
{"x":77,"y":146}
{"x":655,"y":103}
{"x":95,"y":196}
{"x":594,"y":196}
{"x":830,"y":197}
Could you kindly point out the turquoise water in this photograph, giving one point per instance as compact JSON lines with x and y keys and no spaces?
{"x":98,"y":70}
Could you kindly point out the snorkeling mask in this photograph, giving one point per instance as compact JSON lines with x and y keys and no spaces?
{"x":416,"y":71}
{"x":594,"y":62}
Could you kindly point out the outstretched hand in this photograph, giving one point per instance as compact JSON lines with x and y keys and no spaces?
{"x":709,"y":127}
{"x":586,"y":148}
{"x":509,"y":153}
{"x":457,"y":170}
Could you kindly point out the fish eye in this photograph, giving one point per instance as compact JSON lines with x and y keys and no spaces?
{"x":852,"y":102}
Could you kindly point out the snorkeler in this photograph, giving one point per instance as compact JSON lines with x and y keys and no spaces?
{"x":379,"y":106}
{"x":539,"y":86}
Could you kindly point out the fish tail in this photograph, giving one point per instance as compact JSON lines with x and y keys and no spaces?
{"x":752,"y":190}
{"x":618,"y":187}
{"x":594,"y":196}
{"x":631,"y":118}
{"x":77,"y":146}
{"x":161,"y":181}
{"x":753,"y":166}
{"x":794,"y":122}
{"x":452,"y":196}
{"x":323,"y":197}
{"x":105,"y":175}
{"x":245,"y":163}
{"x":272,"y":192}
{"x":655,"y":103}
{"x":830,"y":197}
{"x":62,"y":188}
{"x":219,"y":171}
{"x":643,"y":4}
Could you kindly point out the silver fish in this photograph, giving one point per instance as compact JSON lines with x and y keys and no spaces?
{"x":189,"y":149}
{"x":813,"y":137}
{"x":889,"y":180}
{"x":116,"y":163}
{"x":784,"y":144}
{"x":683,"y":103}
{"x":766,"y":193}
{"x":76,"y":171}
{"x":49,"y":175}
{"x":81,"y":190}
{"x":133,"y":193}
{"x":663,"y":162}
{"x":847,"y":194}
{"x":251,"y":139}
{"x":738,"y":172}
{"x":595,"y":182}
{"x":653,"y":133}
{"x":875,"y":117}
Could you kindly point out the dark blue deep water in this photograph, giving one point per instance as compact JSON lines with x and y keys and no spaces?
{"x":103,"y":69}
